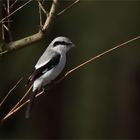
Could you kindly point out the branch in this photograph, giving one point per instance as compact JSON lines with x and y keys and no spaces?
{"x":40,"y":13}
{"x":25,"y":41}
{"x":21,"y":100}
{"x":8,"y":20}
{"x":38,"y":36}
{"x":13,"y":111}
{"x":100,"y":55}
{"x":19,"y":107}
{"x":10,"y":91}
{"x":12,"y":5}
{"x":4,"y":52}
{"x":40,"y":4}
{"x":51,"y":15}
{"x":67,"y":8}
{"x":15,"y":11}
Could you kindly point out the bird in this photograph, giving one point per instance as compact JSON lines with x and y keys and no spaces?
{"x":48,"y":67}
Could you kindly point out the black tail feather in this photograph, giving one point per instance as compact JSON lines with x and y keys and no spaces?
{"x":30,"y":104}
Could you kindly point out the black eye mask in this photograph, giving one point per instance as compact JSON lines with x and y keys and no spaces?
{"x":61,"y":43}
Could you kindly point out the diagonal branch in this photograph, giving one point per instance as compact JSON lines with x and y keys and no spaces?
{"x":21,"y":100}
{"x":100,"y":55}
{"x":19,"y":107}
{"x":4,"y":52}
{"x":10,"y":91}
{"x":40,"y":13}
{"x":25,"y":41}
{"x":12,"y":5}
{"x":42,"y":8}
{"x":51,"y":16}
{"x":67,"y":8}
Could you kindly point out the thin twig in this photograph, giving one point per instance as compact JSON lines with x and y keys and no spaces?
{"x":15,"y":11}
{"x":3,"y":34}
{"x":8,"y":20}
{"x":19,"y":107}
{"x":99,"y":55}
{"x":96,"y":57}
{"x":10,"y":91}
{"x":67,"y":8}
{"x":42,"y":8}
{"x":4,"y":52}
{"x":74,"y":69}
{"x":8,"y":11}
{"x":5,"y":27}
{"x":13,"y":4}
{"x":40,"y":14}
{"x":20,"y":101}
{"x":51,"y":16}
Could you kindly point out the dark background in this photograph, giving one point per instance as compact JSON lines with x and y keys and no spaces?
{"x":101,"y":99}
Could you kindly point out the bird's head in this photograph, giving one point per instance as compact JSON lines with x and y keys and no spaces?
{"x":61,"y":44}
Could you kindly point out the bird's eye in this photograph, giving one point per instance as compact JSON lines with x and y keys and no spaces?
{"x":56,"y":43}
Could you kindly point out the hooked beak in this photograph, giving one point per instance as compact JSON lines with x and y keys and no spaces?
{"x":73,"y":45}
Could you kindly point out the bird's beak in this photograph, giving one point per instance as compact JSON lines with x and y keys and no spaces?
{"x":73,"y":45}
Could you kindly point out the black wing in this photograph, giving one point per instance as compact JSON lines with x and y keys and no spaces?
{"x":48,"y":66}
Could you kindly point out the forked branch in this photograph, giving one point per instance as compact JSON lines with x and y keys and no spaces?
{"x":40,"y":34}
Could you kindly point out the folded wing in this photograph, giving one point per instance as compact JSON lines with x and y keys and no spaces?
{"x":46,"y":67}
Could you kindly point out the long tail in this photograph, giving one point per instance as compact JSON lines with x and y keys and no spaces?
{"x":30,"y":104}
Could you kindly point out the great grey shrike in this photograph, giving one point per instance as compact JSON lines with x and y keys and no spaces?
{"x":48,"y":67}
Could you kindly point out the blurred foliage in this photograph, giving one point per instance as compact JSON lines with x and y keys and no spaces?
{"x":101,"y":99}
